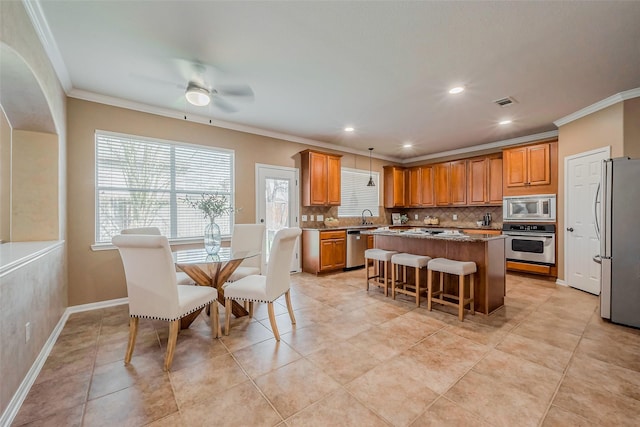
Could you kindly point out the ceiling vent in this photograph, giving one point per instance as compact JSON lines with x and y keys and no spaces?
{"x":505,"y":102}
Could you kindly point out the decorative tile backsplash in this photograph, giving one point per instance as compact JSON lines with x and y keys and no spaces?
{"x":467,"y":216}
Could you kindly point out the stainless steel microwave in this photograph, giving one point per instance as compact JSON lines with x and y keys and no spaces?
{"x":538,"y":208}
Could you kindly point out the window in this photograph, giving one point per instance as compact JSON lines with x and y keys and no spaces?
{"x":143,"y":182}
{"x":355,"y":194}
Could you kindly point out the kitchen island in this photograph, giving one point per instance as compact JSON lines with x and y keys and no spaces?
{"x":486,"y":250}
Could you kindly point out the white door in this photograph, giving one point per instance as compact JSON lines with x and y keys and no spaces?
{"x":582,"y":177}
{"x":277,"y":204}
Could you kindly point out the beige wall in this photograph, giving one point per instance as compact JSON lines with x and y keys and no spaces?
{"x":600,"y":129}
{"x":5,"y":178}
{"x":34,"y":186}
{"x":40,"y":291}
{"x":98,"y":275}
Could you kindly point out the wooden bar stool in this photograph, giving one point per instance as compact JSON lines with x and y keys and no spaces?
{"x":378,"y":255}
{"x":407,"y":260}
{"x":459,"y":268}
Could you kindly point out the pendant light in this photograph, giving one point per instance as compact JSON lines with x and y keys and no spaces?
{"x":370,"y":183}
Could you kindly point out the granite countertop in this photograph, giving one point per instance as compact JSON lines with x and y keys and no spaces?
{"x":412,"y":234}
{"x":426,"y":226}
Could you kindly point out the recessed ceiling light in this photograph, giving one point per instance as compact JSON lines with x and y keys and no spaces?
{"x":504,"y":122}
{"x":407,"y":145}
{"x":456,"y":90}
{"x":349,"y":129}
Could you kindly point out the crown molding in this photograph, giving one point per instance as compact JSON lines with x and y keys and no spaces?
{"x":174,"y":114}
{"x":36,"y":15}
{"x":488,"y":146}
{"x":600,"y":105}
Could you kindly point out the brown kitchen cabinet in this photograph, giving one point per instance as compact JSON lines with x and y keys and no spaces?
{"x":527,"y":166}
{"x":484,"y":181}
{"x":323,"y":251}
{"x":320,"y":178}
{"x":414,"y":187}
{"x":427,"y":189}
{"x":530,"y":169}
{"x":394,"y":187}
{"x":450,"y":183}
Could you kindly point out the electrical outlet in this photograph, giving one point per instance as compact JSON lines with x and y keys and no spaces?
{"x":415,"y":217}
{"x":455,"y":217}
{"x":304,"y":218}
{"x":27,"y":328}
{"x":310,"y":217}
{"x":320,"y":217}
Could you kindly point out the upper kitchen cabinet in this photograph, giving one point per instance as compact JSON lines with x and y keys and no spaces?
{"x":450,"y":183}
{"x":394,"y":187}
{"x":419,"y":182}
{"x":484,"y":181}
{"x":427,"y":197}
{"x":531,"y":169}
{"x":320,"y":178}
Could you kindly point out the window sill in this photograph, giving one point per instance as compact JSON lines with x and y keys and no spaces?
{"x":172,"y":242}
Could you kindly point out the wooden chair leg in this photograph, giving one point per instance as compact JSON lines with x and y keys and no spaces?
{"x":174,"y":327}
{"x":250,"y":304}
{"x":429,"y":288}
{"x":272,"y":320}
{"x":386,"y":278}
{"x":366,"y":260}
{"x":461,"y":297}
{"x":393,"y":280}
{"x":417,"y":287}
{"x":133,"y":332}
{"x":471,"y":293}
{"x":227,"y":315}
{"x":287,"y":297}
{"x":215,"y":319}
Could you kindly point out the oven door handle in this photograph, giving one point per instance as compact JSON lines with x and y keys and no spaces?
{"x":530,"y":235}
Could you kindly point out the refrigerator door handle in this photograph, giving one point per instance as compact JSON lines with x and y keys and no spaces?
{"x":595,"y":212}
{"x":597,"y":258}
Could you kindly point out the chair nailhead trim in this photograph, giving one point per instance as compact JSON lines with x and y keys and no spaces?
{"x":168,"y":319}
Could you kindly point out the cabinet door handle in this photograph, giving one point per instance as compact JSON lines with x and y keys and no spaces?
{"x":570,"y":229}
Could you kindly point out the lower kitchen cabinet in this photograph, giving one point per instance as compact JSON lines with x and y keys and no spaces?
{"x":323,"y":250}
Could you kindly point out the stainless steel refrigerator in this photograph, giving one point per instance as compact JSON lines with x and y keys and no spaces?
{"x":619,"y":229}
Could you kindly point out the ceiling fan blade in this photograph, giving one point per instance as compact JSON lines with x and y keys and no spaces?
{"x":223,"y":105}
{"x":235,"y":90}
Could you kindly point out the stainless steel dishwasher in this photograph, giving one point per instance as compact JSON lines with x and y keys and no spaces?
{"x":356,"y":245}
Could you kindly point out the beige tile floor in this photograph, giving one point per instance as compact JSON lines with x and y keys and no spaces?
{"x":354,"y":358}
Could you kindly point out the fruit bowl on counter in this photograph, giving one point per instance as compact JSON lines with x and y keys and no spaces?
{"x":331,"y":222}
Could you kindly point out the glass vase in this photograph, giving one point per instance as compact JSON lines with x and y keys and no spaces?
{"x":212,"y":238}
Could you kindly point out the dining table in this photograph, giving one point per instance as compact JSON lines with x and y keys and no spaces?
{"x":211,"y":270}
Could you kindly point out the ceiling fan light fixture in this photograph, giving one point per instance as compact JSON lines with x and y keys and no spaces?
{"x":370,"y":183}
{"x":198,"y":96}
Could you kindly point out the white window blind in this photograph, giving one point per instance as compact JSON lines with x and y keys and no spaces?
{"x":355,"y":195}
{"x":142,"y":182}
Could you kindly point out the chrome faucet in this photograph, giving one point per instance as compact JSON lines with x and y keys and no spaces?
{"x":364,"y":222}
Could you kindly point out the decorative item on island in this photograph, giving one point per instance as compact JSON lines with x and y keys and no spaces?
{"x":212,"y":205}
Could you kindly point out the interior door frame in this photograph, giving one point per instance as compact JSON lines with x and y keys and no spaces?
{"x":295,"y":203}
{"x":606,"y":150}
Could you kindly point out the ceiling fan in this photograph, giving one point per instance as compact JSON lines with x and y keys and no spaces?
{"x":199,"y":90}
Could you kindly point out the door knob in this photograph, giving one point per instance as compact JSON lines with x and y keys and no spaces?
{"x":261,"y":220}
{"x":570,"y":229}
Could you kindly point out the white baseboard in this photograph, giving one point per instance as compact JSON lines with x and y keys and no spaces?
{"x":561,"y":282}
{"x":17,"y":400}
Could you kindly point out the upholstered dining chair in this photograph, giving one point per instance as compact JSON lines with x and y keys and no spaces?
{"x":181,"y":276}
{"x":247,"y":237}
{"x":267,"y":288}
{"x":153,"y":291}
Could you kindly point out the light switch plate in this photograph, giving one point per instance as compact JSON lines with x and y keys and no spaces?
{"x":415,"y":216}
{"x":304,"y":217}
{"x":320,"y":217}
{"x":310,"y":217}
{"x":455,"y":217}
